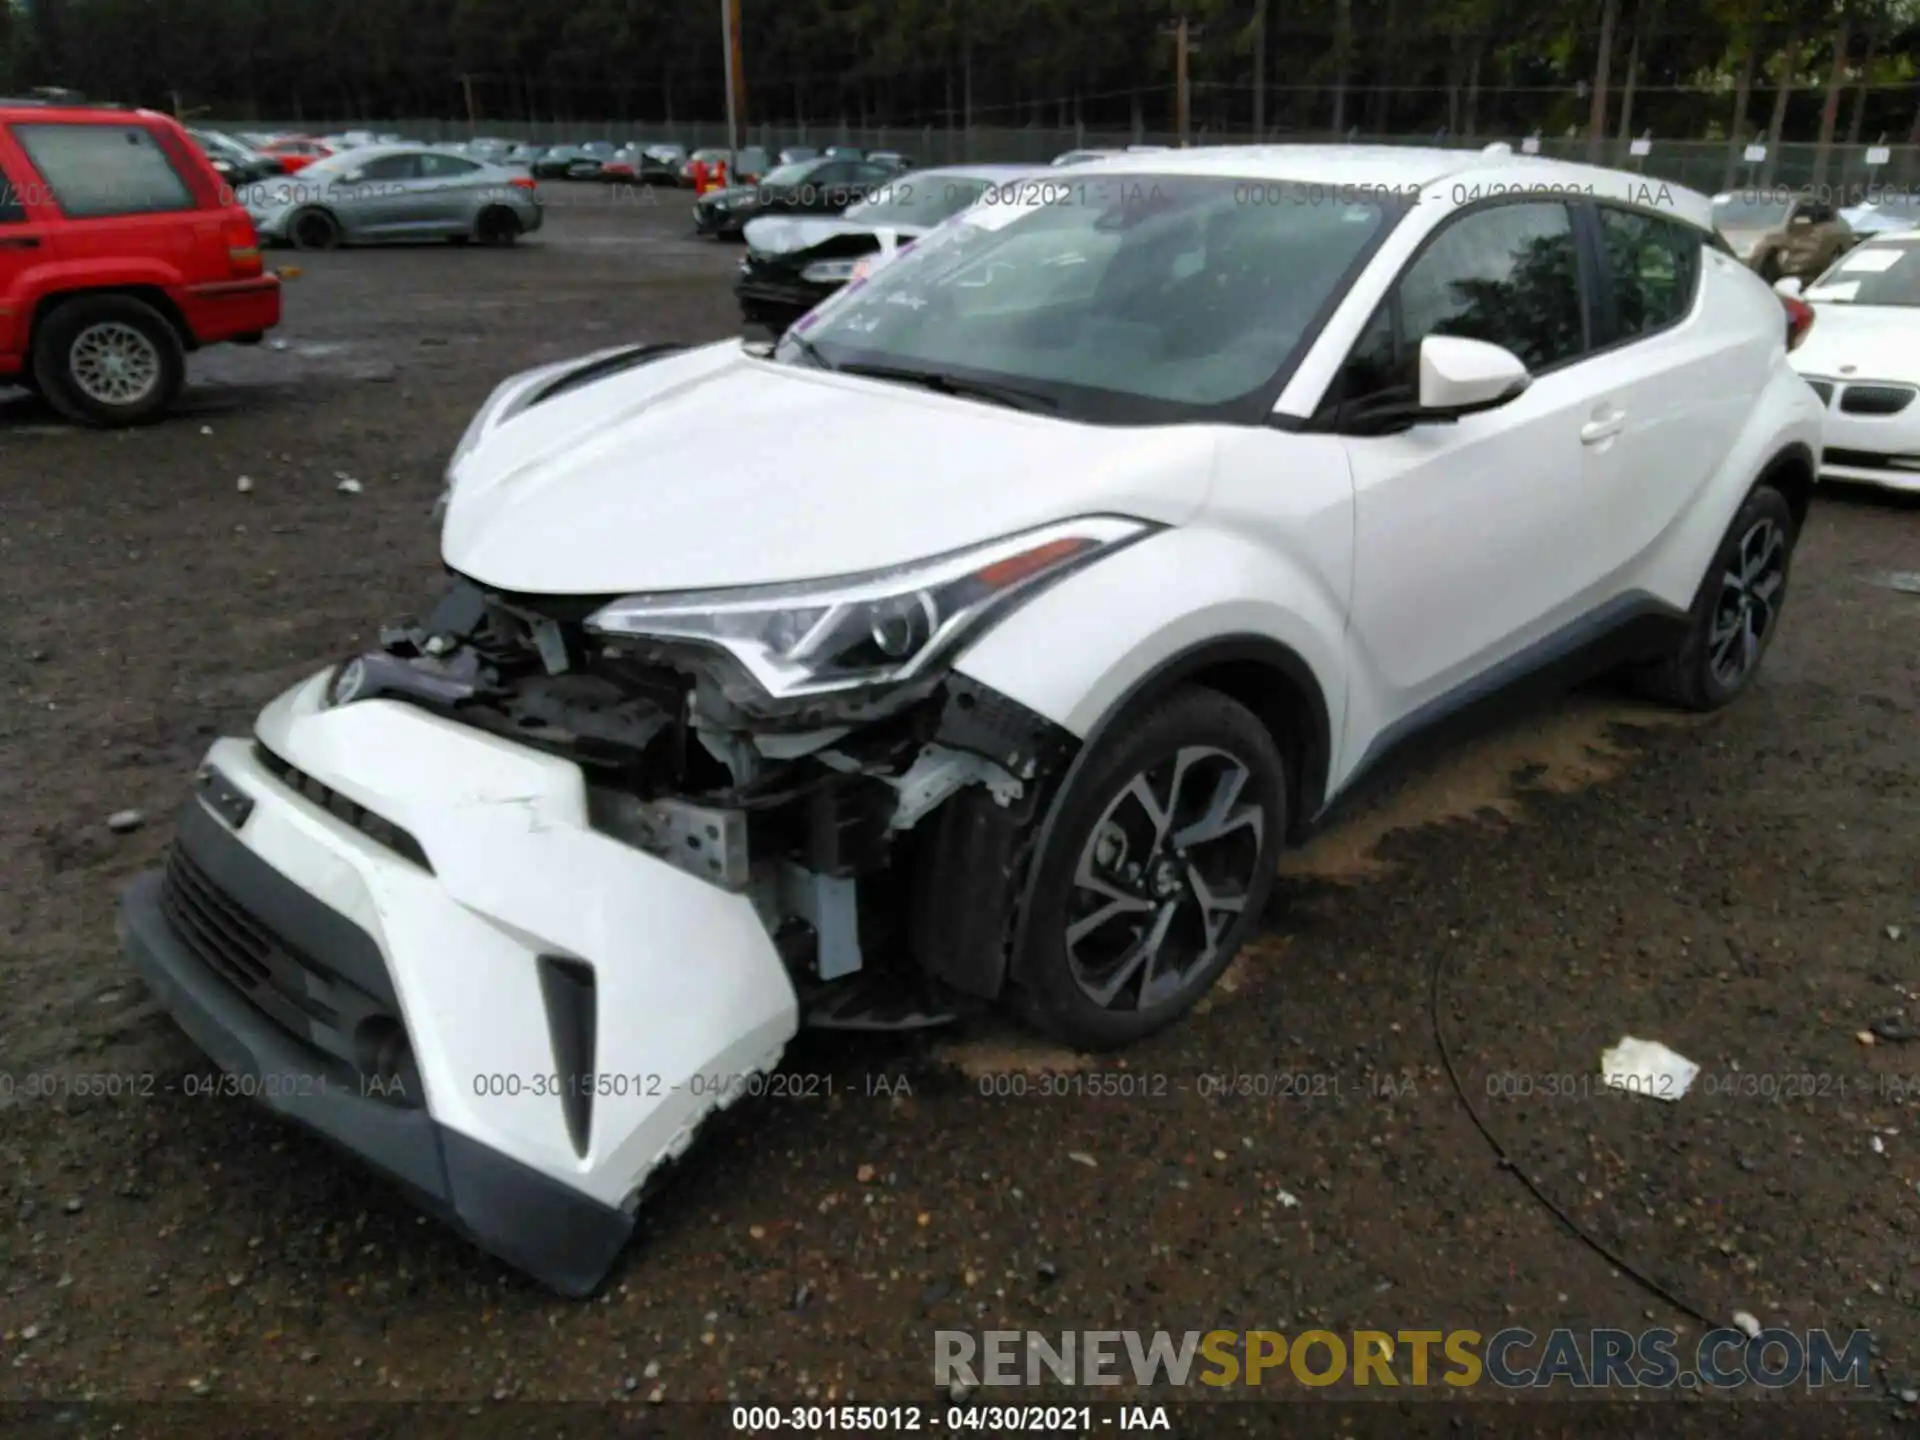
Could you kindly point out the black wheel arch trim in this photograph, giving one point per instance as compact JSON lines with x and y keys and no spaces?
{"x":1310,"y":753}
{"x":1795,"y":455}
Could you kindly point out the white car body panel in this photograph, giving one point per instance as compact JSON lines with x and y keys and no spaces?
{"x":552,"y":503}
{"x":1272,"y":558}
{"x":500,"y":821}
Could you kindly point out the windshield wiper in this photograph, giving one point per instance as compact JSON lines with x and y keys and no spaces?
{"x":812,"y":351}
{"x":1014,"y":397}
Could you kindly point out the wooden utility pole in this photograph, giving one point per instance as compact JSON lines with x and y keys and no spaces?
{"x":730,"y":35}
{"x":473,"y":110}
{"x":1184,"y":91}
{"x":1602,"y":72}
{"x":1183,"y":34}
{"x":1260,"y":70}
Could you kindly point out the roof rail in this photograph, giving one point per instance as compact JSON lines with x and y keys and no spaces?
{"x":48,"y":102}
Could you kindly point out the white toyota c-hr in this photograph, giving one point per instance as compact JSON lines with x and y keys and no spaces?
{"x":982,"y":644}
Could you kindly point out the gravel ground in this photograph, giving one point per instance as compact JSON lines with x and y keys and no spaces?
{"x":1743,"y":889}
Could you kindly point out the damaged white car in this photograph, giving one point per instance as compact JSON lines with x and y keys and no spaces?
{"x":1036,"y":592}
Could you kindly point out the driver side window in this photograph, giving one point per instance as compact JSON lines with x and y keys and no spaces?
{"x":1508,"y":274}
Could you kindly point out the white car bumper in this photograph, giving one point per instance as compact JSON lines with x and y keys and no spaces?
{"x":1874,"y":449}
{"x":519,"y":1024}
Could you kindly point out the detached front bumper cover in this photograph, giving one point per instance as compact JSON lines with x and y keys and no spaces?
{"x":559,"y":1236}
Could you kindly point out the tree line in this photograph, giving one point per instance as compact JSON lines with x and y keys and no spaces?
{"x":1795,"y":70}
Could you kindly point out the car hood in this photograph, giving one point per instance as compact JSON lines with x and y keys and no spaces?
{"x":714,"y":467}
{"x":784,"y":235}
{"x":1880,"y":342}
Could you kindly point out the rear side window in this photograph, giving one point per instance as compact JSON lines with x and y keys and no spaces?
{"x":446,"y":167}
{"x":100,"y":170}
{"x":1653,"y":264}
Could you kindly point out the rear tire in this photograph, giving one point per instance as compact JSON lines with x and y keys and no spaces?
{"x":1160,"y":862}
{"x":497,"y":227}
{"x":109,"y":361}
{"x":314,"y":230}
{"x":1735,"y":614}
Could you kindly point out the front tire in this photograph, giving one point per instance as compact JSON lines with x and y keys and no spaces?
{"x":1160,"y":863}
{"x":109,"y":361}
{"x":1735,"y":613}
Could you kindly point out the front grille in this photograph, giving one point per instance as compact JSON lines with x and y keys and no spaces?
{"x":376,"y":828}
{"x":244,"y":952}
{"x":1876,"y":399}
{"x":355,"y":1031}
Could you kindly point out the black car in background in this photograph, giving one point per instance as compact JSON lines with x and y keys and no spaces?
{"x":238,"y":164}
{"x":825,"y":186}
{"x":554,"y":162}
{"x":591,"y":160}
{"x":793,"y":262}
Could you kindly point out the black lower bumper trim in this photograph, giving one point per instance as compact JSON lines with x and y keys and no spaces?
{"x":560,"y":1237}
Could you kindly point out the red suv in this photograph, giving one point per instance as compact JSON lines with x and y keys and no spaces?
{"x":120,"y":250}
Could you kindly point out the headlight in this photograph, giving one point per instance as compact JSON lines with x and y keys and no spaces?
{"x":827,"y":272}
{"x":876,"y":629}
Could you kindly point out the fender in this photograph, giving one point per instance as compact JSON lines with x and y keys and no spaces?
{"x":1789,"y":440}
{"x":1268,"y":630}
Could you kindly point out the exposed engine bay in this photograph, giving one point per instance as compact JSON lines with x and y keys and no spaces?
{"x":881,"y":834}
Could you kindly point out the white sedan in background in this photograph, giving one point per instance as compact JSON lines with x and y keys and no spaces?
{"x":1863,"y":359}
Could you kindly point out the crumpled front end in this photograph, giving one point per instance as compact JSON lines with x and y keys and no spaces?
{"x":509,"y":906}
{"x":415,"y":937}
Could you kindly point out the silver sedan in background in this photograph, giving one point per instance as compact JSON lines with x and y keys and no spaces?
{"x":384,"y":193}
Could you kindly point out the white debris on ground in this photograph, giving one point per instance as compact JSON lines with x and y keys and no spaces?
{"x":1287,"y":1198}
{"x":243,"y":484}
{"x":348,"y":485}
{"x":1747,"y":1323}
{"x":1646,"y":1067}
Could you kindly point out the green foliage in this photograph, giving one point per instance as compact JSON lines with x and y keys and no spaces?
{"x":628,"y":64}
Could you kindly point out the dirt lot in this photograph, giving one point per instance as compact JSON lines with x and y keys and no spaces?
{"x":1746,"y":890}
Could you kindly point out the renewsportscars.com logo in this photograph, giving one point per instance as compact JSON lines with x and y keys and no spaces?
{"x":1511,"y":1359}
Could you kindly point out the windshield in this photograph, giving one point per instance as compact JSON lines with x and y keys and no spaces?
{"x":1104,"y":293}
{"x":1877,"y":273}
{"x":1748,"y":212}
{"x":922,"y":200}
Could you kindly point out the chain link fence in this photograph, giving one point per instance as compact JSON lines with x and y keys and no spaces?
{"x":1851,"y":171}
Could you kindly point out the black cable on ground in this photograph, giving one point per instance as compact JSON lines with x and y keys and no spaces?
{"x":1599,"y":1247}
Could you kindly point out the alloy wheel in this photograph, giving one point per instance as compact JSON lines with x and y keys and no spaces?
{"x":113,"y":363}
{"x":1163,"y":876}
{"x":1748,"y":603}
